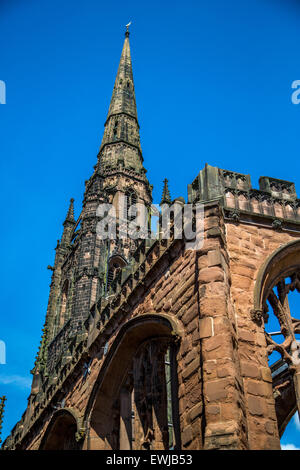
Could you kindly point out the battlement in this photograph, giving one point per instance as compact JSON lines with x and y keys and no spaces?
{"x":275,"y":198}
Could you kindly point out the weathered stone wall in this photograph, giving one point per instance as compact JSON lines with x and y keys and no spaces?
{"x":225,"y":425}
{"x":173,"y":292}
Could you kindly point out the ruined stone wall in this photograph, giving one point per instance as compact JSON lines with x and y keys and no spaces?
{"x":224,"y":413}
{"x":192,"y":287}
{"x":172,"y":292}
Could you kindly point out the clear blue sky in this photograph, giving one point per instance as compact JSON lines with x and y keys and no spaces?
{"x":213,"y":84}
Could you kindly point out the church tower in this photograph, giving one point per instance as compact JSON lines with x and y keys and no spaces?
{"x":85,"y":265}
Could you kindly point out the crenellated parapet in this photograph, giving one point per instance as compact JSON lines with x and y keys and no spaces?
{"x":275,"y":200}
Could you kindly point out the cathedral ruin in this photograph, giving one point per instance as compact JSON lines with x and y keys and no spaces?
{"x":148,"y":344}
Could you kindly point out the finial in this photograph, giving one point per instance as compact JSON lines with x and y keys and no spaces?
{"x":166,"y":197}
{"x":70,"y":214}
{"x":127,"y":30}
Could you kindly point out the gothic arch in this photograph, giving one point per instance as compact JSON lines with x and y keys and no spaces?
{"x":281,"y":262}
{"x":116,"y":262}
{"x":101,"y":410}
{"x":281,"y":265}
{"x":131,"y":200}
{"x":64,"y":432}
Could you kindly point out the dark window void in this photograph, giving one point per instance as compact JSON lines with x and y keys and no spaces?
{"x":148,"y":403}
{"x":130,"y":200}
{"x":115,"y":265}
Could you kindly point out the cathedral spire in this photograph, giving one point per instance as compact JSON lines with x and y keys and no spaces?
{"x":120,"y":154}
{"x":166,"y":196}
{"x":123,"y":97}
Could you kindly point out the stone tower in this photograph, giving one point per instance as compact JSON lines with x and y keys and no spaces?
{"x":149,"y":344}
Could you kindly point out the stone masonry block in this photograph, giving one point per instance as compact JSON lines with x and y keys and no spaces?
{"x":187,"y":435}
{"x":206,"y":327}
{"x":249,"y":369}
{"x":216,"y":390}
{"x":212,"y":274}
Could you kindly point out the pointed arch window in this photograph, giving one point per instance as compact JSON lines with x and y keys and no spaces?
{"x":276,"y":311}
{"x":115,"y":265}
{"x":130,"y":200}
{"x":115,"y":131}
{"x":149,"y":401}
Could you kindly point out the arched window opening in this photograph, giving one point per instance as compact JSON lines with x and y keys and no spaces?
{"x":112,"y":272}
{"x":128,"y":406}
{"x":61,"y":434}
{"x":115,"y":265}
{"x":276,"y":299}
{"x":116,"y":129}
{"x":148,"y":399}
{"x":130,"y":200}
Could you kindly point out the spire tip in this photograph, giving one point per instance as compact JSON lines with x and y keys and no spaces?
{"x":70,"y":213}
{"x":127,"y":30}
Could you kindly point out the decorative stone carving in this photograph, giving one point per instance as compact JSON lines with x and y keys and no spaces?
{"x":234,"y":215}
{"x":277,"y":224}
{"x":257,"y":316}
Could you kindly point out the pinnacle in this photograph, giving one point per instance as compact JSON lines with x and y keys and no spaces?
{"x":70,"y":214}
{"x":166,"y":196}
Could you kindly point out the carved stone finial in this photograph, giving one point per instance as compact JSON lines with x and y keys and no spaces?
{"x":166,"y":197}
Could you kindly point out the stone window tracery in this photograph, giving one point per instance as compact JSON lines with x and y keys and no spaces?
{"x":284,"y":339}
{"x":282,"y":331}
{"x":148,"y":399}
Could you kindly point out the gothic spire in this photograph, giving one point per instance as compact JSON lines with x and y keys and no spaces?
{"x":120,"y":148}
{"x":166,"y":196}
{"x":123,"y":97}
